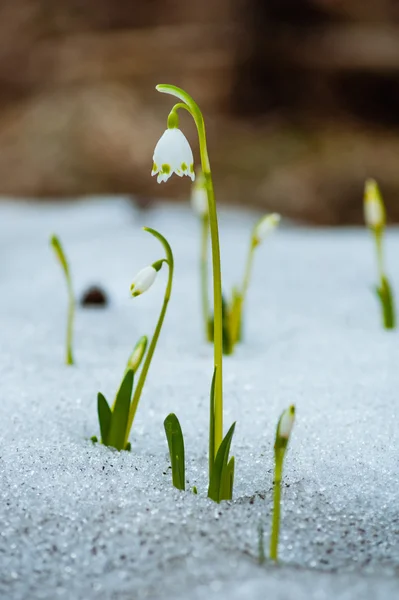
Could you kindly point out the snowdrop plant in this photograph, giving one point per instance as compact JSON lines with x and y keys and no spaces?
{"x":375,"y":218}
{"x":173,"y":154}
{"x":116,"y":422}
{"x":283,"y":432}
{"x":60,"y":254}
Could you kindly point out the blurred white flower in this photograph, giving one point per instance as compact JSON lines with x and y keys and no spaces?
{"x":286,"y":423}
{"x":265,"y":226}
{"x":143,"y":281}
{"x":199,"y":196}
{"x":374,"y":211}
{"x":173,"y":154}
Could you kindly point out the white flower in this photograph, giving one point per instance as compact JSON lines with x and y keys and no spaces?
{"x":173,"y":154}
{"x":143,"y":281}
{"x":265,"y":226}
{"x":286,"y":422}
{"x":199,"y":196}
{"x":374,"y":211}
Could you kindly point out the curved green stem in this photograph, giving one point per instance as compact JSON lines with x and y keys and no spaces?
{"x":204,"y":274}
{"x":217,"y":278}
{"x":140,"y":384}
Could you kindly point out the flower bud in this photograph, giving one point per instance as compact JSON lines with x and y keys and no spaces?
{"x":374,"y":210}
{"x":143,"y":281}
{"x":199,"y":196}
{"x":286,"y":423}
{"x":137,"y":355}
{"x":265,"y":226}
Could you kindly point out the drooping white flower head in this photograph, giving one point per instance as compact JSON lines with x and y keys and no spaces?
{"x":286,"y":423}
{"x":266,"y":226}
{"x":199,"y":196}
{"x":143,"y":281}
{"x":173,"y":154}
{"x":374,"y":210}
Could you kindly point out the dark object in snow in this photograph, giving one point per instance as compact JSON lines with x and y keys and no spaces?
{"x":94,"y":296}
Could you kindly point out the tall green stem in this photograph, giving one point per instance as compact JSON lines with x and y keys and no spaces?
{"x":276,"y":505}
{"x":204,"y":275}
{"x":140,"y":384}
{"x":71,"y":314}
{"x":195,"y":112}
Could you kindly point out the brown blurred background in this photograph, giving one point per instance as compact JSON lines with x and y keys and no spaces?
{"x":301,"y":98}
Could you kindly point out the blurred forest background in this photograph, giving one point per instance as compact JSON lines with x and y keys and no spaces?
{"x":301,"y":98}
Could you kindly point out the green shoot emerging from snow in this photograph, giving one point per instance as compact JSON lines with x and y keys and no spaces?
{"x":60,"y":254}
{"x":283,"y":432}
{"x":174,"y":435}
{"x":374,"y":215}
{"x":116,"y":422}
{"x":233,"y":310}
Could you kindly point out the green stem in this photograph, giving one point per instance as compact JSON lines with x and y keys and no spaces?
{"x":238,"y":305}
{"x":276,"y":505}
{"x":204,"y":274}
{"x":248,"y":270}
{"x":380,"y":255}
{"x":71,"y":314}
{"x":217,"y":278}
{"x":140,"y":384}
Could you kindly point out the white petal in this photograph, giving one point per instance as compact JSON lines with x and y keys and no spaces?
{"x":143,"y":280}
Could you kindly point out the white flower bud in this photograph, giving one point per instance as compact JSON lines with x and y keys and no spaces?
{"x":143,"y":280}
{"x":374,"y":210}
{"x":265,"y":226}
{"x":173,"y":154}
{"x":286,"y":423}
{"x":199,"y":196}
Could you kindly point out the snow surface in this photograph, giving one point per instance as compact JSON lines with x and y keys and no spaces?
{"x":80,"y":521}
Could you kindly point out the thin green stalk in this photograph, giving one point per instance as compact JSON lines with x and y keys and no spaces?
{"x":60,"y":254}
{"x":204,"y":275}
{"x":140,"y":384}
{"x":380,"y":255}
{"x":279,"y":456}
{"x":195,"y":112}
{"x":71,"y":315}
{"x":240,"y":296}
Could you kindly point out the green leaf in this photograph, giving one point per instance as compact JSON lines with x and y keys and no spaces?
{"x":104,"y":417}
{"x":174,"y":435}
{"x":212,"y":425}
{"x":385,"y":295}
{"x":222,"y":479}
{"x":120,"y":413}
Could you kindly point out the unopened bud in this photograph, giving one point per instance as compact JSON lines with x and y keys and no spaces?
{"x":143,"y":281}
{"x":265,"y":226}
{"x":374,"y":210}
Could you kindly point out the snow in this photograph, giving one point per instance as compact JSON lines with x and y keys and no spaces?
{"x":80,"y":521}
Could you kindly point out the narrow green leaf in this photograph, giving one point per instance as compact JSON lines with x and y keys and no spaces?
{"x":385,"y":295}
{"x":104,"y":417}
{"x":174,"y":435}
{"x":120,"y":413}
{"x":222,"y":472}
{"x":212,"y":425}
